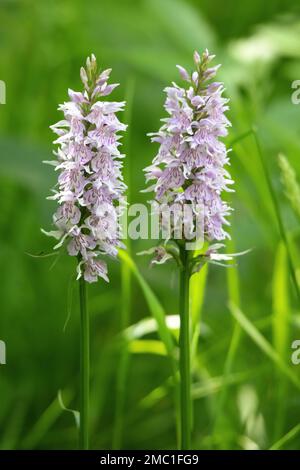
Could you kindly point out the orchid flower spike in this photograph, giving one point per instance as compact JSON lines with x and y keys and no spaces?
{"x":90,"y":187}
{"x":190,"y":166}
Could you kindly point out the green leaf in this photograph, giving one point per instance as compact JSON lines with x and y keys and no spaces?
{"x":44,"y":423}
{"x":233,"y":286}
{"x":292,"y":434}
{"x":154,"y":305}
{"x":281,"y":306}
{"x":280,"y":328}
{"x":147,"y":346}
{"x":75,"y":413}
{"x":197,"y":291}
{"x":148,"y":325}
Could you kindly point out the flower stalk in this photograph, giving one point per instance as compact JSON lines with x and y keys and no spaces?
{"x":84,"y":367}
{"x":189,"y":176}
{"x":184,"y":355}
{"x":90,"y":196}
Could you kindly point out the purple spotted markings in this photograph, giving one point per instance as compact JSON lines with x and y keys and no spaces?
{"x":90,"y":187}
{"x":190,"y":168}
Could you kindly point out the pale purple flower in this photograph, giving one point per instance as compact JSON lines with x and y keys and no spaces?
{"x":92,"y":268}
{"x":189,"y":165}
{"x":90,"y":187}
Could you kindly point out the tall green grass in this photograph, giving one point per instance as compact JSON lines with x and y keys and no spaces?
{"x":237,"y":357}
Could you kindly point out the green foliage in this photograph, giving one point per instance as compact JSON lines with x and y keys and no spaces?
{"x":290,"y":183}
{"x":242,"y":370}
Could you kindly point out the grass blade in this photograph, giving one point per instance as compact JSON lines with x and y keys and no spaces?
{"x":280,"y":327}
{"x":282,"y":231}
{"x":287,"y":438}
{"x":122,"y":369}
{"x":154,"y":305}
{"x":147,"y":346}
{"x":197,"y":291}
{"x":159,"y":315}
{"x":233,"y":286}
{"x":281,"y":305}
{"x":263,"y":344}
{"x":281,"y":227}
{"x":44,"y":423}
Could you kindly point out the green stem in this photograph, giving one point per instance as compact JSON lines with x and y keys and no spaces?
{"x":84,"y":367}
{"x":184,"y":359}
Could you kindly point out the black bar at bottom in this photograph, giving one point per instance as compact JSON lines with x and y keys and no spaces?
{"x":132,"y":459}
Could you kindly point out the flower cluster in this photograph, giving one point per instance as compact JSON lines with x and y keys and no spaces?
{"x":90,"y":186}
{"x":189,"y":169}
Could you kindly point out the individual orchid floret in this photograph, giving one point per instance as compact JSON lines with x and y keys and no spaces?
{"x":90,"y":187}
{"x":190,"y":166}
{"x":212,"y":256}
{"x":162,"y":253}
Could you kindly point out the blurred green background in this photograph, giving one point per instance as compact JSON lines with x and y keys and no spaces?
{"x":246,"y":390}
